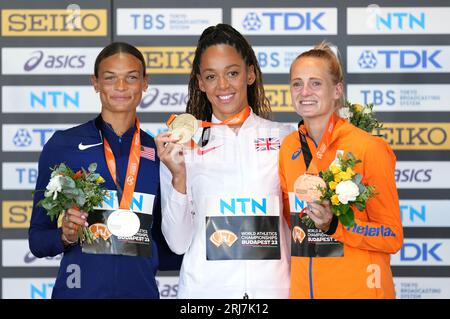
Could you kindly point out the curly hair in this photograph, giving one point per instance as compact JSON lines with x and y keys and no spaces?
{"x":198,"y":103}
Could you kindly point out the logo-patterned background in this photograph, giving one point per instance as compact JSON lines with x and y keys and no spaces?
{"x":396,"y":55}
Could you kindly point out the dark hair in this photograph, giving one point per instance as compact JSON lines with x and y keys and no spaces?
{"x":198,"y":104}
{"x":118,"y":47}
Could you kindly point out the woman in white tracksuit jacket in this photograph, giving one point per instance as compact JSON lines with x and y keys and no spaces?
{"x":221,"y":201}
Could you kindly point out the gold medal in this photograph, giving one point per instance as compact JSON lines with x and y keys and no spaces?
{"x":306,"y":187}
{"x":183,"y":128}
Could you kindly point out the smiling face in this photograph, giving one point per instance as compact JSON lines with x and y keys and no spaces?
{"x":313,"y":92}
{"x":224,"y":78}
{"x":120,"y":83}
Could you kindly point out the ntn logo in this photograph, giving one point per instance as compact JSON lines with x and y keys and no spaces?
{"x":244,"y":205}
{"x":412,"y":213}
{"x":42,"y":291}
{"x":400,"y":20}
{"x":55,"y":99}
{"x":137,"y":202}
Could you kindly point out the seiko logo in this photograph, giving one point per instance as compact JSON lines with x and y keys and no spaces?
{"x":416,"y":135}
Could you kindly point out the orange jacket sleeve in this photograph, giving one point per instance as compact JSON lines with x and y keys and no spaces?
{"x":379,"y":227}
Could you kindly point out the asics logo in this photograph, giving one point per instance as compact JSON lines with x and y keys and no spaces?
{"x":83,"y":147}
{"x":202,"y":151}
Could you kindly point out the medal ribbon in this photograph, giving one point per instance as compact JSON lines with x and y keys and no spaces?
{"x":132,"y":169}
{"x":234,"y":120}
{"x":325,"y":141}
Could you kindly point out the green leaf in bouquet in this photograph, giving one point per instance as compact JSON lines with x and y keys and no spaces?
{"x":80,"y":199}
{"x":71,"y":192}
{"x":48,"y":205}
{"x":357,"y":179}
{"x":360,"y":205}
{"x":67,"y":182}
{"x":92,"y":167}
{"x":92,"y":177}
{"x":347,"y":219}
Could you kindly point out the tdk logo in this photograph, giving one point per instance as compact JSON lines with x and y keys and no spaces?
{"x":289,"y":21}
{"x":420,"y":252}
{"x":367,"y":60}
{"x":22,"y":138}
{"x":252,"y":22}
{"x":404,"y":59}
{"x":400,"y":21}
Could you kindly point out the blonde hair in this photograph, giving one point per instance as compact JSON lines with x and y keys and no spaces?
{"x":323,"y":51}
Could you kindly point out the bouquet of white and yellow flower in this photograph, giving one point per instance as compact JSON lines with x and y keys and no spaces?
{"x":361,"y":116}
{"x":67,"y":189}
{"x":344,"y":189}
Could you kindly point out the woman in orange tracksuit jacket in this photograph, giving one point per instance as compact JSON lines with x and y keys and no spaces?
{"x":351,"y":262}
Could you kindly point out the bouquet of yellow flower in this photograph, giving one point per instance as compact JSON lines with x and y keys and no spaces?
{"x":361,"y":116}
{"x":67,"y":189}
{"x":345,"y":189}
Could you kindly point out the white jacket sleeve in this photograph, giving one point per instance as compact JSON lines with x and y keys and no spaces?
{"x":177,"y":223}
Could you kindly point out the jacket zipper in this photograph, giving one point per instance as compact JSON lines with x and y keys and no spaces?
{"x":311,"y":291}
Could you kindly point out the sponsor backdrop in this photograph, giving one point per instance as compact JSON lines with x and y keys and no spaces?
{"x":396,"y":54}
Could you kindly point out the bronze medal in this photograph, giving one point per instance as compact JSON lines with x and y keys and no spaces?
{"x":306,"y":187}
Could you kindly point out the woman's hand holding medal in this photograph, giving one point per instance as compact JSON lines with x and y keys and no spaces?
{"x":307,"y":188}
{"x":170,"y":147}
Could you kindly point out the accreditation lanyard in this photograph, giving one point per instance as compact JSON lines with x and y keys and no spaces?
{"x":310,"y":160}
{"x":132,"y":169}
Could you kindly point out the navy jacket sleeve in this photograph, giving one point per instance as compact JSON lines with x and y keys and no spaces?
{"x":168,"y":260}
{"x":44,"y":237}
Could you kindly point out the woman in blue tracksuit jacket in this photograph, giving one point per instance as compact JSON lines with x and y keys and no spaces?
{"x":120,"y":79}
